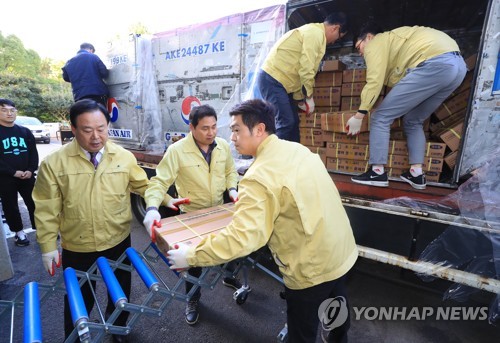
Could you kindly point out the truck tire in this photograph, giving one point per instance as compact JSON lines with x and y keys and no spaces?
{"x":138,"y":207}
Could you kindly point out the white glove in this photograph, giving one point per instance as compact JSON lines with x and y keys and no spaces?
{"x":307,"y":106}
{"x":233,"y":195}
{"x":177,"y":256}
{"x":173,"y":203}
{"x":149,"y":221}
{"x":353,"y":126}
{"x":50,"y":259}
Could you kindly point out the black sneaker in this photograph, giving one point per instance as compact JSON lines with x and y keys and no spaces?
{"x":372,"y":179}
{"x":192,"y":311}
{"x":21,"y":242}
{"x":417,"y":182}
{"x":231,"y":282}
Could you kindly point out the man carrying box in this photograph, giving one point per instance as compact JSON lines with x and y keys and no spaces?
{"x":423,"y":66}
{"x":289,"y":202}
{"x":202,"y":168}
{"x":287,"y":75}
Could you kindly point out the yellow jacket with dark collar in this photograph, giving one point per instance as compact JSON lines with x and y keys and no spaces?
{"x":90,"y":208}
{"x":288,"y":201}
{"x":294,"y":60}
{"x":389,"y":55}
{"x":184,"y":165}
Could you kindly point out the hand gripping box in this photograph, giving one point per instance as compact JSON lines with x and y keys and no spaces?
{"x":190,"y":228}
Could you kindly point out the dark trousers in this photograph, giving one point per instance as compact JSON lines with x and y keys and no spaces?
{"x":102,"y":99}
{"x":287,"y":117}
{"x":196,"y":272}
{"x":83,"y":261}
{"x":302,"y":311}
{"x":8,"y":193}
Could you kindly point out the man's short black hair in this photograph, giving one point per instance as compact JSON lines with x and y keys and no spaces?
{"x":85,"y":46}
{"x":338,"y":18}
{"x":369,"y":27}
{"x":86,"y":105}
{"x":8,"y":102}
{"x":200,"y":112}
{"x":254,"y":112}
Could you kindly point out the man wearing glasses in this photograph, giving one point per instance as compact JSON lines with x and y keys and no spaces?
{"x":18,"y":162}
{"x":423,"y":66}
{"x":286,"y":78}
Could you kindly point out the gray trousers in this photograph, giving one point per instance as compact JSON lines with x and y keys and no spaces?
{"x":415,"y":98}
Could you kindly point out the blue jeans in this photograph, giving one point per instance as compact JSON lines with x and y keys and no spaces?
{"x":287,"y":117}
{"x":414,"y":98}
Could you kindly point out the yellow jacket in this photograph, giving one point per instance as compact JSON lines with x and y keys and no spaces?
{"x":90,"y":208}
{"x":294,"y":60}
{"x":288,"y":201}
{"x":184,"y":165}
{"x":389,"y":55}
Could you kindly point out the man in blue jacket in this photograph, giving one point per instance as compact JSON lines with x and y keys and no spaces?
{"x":86,"y":72}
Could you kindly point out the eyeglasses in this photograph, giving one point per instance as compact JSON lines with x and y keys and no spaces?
{"x":5,"y":110}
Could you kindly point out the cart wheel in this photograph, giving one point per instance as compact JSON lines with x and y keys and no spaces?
{"x":241,"y":298}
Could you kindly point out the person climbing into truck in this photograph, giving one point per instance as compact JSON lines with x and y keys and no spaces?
{"x":423,"y":66}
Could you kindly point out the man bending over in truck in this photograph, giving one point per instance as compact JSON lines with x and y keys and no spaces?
{"x":195,"y":164}
{"x":423,"y":66}
{"x":289,"y":202}
{"x":286,"y":78}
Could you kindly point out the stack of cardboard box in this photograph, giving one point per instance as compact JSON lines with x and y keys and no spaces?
{"x":337,"y":96}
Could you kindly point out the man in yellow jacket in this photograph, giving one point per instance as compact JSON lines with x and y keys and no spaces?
{"x":287,"y":75}
{"x":423,"y":66}
{"x":202,"y":168}
{"x":289,"y":202}
{"x":82,"y":192}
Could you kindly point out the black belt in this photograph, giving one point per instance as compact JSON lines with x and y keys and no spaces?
{"x":456,"y":53}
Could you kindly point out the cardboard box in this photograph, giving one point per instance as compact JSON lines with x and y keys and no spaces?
{"x":354,"y":75}
{"x":346,"y":165}
{"x":430,"y":176}
{"x":332,"y":65}
{"x":190,"y":228}
{"x":336,"y":121}
{"x":328,"y":79}
{"x":432,"y":149}
{"x":449,"y":107}
{"x":312,"y":120}
{"x":451,"y":159}
{"x":321,"y":151}
{"x":452,"y":136}
{"x":443,"y":124}
{"x":311,"y":137}
{"x":326,"y":96}
{"x":402,"y":162}
{"x":347,"y":151}
{"x":352,"y":89}
{"x":352,"y":103}
{"x":470,"y":62}
{"x":325,"y":109}
{"x":337,"y":137}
